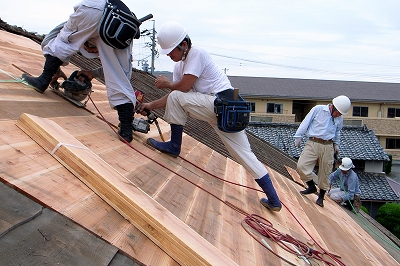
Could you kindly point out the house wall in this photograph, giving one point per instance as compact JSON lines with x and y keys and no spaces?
{"x":261,"y":110}
{"x":373,"y":166}
{"x":261,"y":104}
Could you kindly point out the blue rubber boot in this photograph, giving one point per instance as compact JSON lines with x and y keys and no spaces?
{"x":172,"y":147}
{"x":272,"y":203}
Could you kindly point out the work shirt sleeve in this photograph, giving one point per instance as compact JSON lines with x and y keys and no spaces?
{"x":336,"y":138}
{"x":333,"y":176}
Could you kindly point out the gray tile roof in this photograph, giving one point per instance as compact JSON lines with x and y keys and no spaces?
{"x":374,"y":187}
{"x":308,"y":89}
{"x":357,"y":143}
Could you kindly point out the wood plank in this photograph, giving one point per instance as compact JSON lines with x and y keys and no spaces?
{"x":166,"y":230}
{"x":296,"y":177}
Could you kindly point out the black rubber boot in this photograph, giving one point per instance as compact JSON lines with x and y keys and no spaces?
{"x":50,"y":68}
{"x":172,"y":147}
{"x":311,"y":188}
{"x":272,"y":203}
{"x":320,"y":200}
{"x":125,"y":116}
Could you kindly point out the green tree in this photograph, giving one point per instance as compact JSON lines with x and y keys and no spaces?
{"x":389,"y":217}
{"x":364,"y":209}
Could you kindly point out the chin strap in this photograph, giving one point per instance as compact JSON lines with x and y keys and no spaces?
{"x":184,"y":52}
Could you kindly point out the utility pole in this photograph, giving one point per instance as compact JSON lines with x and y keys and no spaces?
{"x":151,"y":45}
{"x":153,"y":48}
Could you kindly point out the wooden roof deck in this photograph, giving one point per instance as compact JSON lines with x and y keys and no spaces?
{"x":189,"y":187}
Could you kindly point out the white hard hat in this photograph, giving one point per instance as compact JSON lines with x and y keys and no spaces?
{"x":342,"y":104}
{"x":171,"y":34}
{"x":347,"y":163}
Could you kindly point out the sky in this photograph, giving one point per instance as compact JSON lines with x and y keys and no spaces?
{"x":356,"y":40}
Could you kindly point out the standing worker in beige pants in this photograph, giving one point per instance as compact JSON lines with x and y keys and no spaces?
{"x":322,"y":126}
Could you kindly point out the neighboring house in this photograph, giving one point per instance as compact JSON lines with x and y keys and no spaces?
{"x":358,"y":143}
{"x":375,"y":104}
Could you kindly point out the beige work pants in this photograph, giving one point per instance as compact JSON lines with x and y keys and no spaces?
{"x":180,"y":105}
{"x":312,"y":154}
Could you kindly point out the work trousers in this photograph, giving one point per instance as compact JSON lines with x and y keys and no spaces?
{"x":312,"y":154}
{"x":180,"y":105}
{"x":82,"y":26}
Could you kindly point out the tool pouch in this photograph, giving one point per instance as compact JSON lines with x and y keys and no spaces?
{"x":118,"y":25}
{"x":233,"y":115}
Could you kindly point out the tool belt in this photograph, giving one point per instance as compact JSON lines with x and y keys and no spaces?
{"x":322,"y":141}
{"x":232,"y":115}
{"x":118,"y":25}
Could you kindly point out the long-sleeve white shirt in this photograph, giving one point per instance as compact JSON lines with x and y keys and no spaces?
{"x":319,"y":123}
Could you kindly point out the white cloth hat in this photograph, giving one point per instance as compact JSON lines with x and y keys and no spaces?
{"x":347,"y":163}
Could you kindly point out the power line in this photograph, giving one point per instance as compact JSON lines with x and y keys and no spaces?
{"x":306,"y":58}
{"x":307,"y":69}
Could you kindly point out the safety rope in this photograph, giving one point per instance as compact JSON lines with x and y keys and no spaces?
{"x":285,"y":241}
{"x":248,"y":218}
{"x":14,"y":79}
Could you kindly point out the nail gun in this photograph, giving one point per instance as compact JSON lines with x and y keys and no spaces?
{"x":143,"y":126}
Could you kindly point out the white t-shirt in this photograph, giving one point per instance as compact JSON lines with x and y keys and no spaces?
{"x":199,"y":63}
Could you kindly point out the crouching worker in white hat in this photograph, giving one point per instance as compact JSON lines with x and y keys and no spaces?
{"x":349,"y":189}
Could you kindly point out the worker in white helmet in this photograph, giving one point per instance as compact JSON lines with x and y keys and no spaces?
{"x":196,"y":81}
{"x":83,"y":27}
{"x":322,"y":127}
{"x":348,"y":181}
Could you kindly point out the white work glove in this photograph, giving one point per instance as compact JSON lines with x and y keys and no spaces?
{"x":336,"y":148}
{"x":297,"y":142}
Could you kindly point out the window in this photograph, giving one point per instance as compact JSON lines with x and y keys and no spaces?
{"x":252,"y":107}
{"x":393,"y":112}
{"x":275,"y":108}
{"x":392,"y":143}
{"x":360,"y":111}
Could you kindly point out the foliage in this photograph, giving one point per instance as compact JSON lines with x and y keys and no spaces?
{"x":364,"y":210}
{"x":389,"y":217}
{"x":387,"y":166}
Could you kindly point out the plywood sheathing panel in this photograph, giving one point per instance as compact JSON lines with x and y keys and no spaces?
{"x":168,"y":232}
